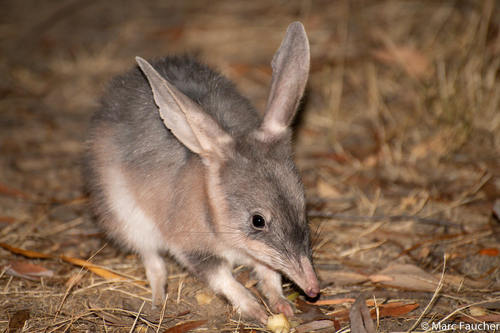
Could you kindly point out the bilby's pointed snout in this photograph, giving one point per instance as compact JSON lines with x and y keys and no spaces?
{"x":311,"y":284}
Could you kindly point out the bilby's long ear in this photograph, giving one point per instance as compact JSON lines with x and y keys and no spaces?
{"x":188,"y":122}
{"x":290,"y":71}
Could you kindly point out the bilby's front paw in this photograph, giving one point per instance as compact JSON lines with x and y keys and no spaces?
{"x":254,"y":310}
{"x":281,"y":305}
{"x":158,"y":297}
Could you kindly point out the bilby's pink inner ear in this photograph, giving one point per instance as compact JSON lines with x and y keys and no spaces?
{"x":290,"y":72}
{"x":192,"y":126}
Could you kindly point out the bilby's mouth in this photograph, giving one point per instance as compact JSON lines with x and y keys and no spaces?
{"x":299,"y":271}
{"x":305,"y":277}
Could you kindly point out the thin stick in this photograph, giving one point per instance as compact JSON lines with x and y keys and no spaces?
{"x":62,"y":301}
{"x":179,"y":290}
{"x":100,"y":283}
{"x":59,"y":308}
{"x":136,"y":318}
{"x":433,"y":299}
{"x":162,"y":313}
{"x":377,"y":311}
{"x":381,"y":218}
{"x":104,"y":323}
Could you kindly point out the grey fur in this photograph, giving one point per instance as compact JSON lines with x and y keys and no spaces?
{"x":202,"y":263}
{"x":177,"y":142}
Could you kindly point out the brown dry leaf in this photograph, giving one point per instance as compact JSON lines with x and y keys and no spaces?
{"x":415,"y":63}
{"x":185,"y":327}
{"x":491,"y":252}
{"x":341,"y":277}
{"x":26,"y":253}
{"x":27,"y":270}
{"x":395,"y":309}
{"x":314,"y":325}
{"x":385,"y":310}
{"x":102,"y":272}
{"x":377,"y":278}
{"x":333,"y":301}
{"x":13,"y":192}
{"x":7,"y":219}
{"x":405,"y":276}
{"x":491,"y":318}
{"x":458,"y":281}
{"x":17,"y":320}
{"x":359,"y":316}
{"x":309,"y":312}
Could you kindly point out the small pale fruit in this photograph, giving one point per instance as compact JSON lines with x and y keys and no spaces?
{"x":278,"y":324}
{"x":477,"y":311}
{"x":203,"y":298}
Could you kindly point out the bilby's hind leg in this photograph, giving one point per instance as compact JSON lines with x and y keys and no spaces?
{"x":270,"y":285}
{"x":156,"y":273}
{"x":131,"y":225}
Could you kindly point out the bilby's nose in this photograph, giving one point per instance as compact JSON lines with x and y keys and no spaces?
{"x":312,"y":284}
{"x":312,"y":291}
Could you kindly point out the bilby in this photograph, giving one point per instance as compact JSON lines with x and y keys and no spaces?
{"x":179,"y":162}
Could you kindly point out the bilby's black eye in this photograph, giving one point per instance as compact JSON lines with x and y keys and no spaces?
{"x":258,"y":222}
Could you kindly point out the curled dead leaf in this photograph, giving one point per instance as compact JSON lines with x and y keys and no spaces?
{"x":341,"y":277}
{"x":394,"y":309}
{"x":359,"y":315}
{"x":7,"y":219}
{"x":334,"y":301}
{"x":25,"y":253}
{"x":314,"y":325}
{"x":185,"y":327}
{"x":405,"y":276}
{"x":27,"y":270}
{"x":101,"y":271}
{"x":490,"y":252}
{"x":377,"y":278}
{"x":491,"y":318}
{"x":17,"y":320}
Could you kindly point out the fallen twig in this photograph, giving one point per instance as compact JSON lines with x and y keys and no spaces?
{"x":382,"y":218}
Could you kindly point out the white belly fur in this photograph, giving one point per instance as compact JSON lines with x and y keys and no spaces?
{"x":135,"y":227}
